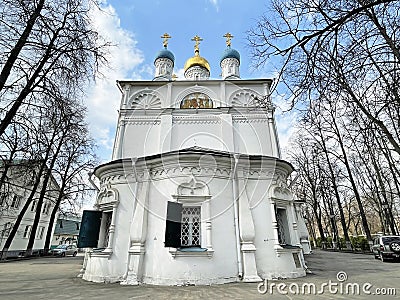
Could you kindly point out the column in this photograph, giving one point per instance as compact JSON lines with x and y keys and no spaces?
{"x":275,"y":227}
{"x":274,"y":136}
{"x":138,"y":234}
{"x":247,"y":235}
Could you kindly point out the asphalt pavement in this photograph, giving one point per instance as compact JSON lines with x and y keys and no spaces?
{"x":334,"y":276}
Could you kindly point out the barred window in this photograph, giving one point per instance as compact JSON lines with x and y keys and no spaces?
{"x":190,"y":226}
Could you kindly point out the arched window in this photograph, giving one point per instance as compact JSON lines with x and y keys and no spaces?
{"x":197,"y":100}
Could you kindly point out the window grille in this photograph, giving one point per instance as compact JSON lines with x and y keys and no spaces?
{"x":190,"y":228}
{"x":108,"y":216}
{"x":283,"y":230}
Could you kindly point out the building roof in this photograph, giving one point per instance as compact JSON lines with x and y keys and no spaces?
{"x":165,"y":53}
{"x":230,"y":53}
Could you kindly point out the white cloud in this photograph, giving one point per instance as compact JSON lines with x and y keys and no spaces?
{"x":124,"y":59}
{"x":286,"y":126}
{"x":180,"y":73}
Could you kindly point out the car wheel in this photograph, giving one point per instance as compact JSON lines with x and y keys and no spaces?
{"x":395,"y":247}
{"x":75,"y":253}
{"x":63,"y":254}
{"x":383,"y":259}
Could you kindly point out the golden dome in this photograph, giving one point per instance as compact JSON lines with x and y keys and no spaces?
{"x":197,"y":60}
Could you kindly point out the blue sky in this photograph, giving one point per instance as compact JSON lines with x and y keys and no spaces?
{"x":135,"y":27}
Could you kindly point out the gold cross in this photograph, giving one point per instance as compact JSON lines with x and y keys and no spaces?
{"x":197,"y":41}
{"x":166,"y":36}
{"x":228,"y":37}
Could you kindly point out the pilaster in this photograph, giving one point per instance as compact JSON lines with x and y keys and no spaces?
{"x":247,"y":235}
{"x":138,"y":235}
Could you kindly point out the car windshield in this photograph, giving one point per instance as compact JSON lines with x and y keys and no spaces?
{"x":62,"y":247}
{"x":390,"y":239}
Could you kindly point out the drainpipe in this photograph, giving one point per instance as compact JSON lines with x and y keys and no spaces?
{"x":90,"y":174}
{"x":236,"y":215}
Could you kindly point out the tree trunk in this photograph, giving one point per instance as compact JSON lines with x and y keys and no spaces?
{"x":20,"y":216}
{"x":31,"y":242}
{"x":5,"y":72}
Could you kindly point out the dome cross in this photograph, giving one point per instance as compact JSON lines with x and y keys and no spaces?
{"x":228,"y":37}
{"x":197,"y":41}
{"x":165,"y":36}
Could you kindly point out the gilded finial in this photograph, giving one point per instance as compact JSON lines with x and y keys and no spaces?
{"x":228,"y":37}
{"x":165,"y":36}
{"x":174,"y":77}
{"x":197,"y":41}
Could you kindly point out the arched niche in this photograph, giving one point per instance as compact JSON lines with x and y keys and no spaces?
{"x":245,"y":98}
{"x":192,"y":91}
{"x":145,"y":99}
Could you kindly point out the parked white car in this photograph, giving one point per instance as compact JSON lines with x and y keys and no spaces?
{"x":63,"y":250}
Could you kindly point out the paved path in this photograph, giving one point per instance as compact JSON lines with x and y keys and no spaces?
{"x":55,"y":278}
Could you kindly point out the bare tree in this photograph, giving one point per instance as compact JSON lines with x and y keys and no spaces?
{"x":54,"y":41}
{"x":347,"y":48}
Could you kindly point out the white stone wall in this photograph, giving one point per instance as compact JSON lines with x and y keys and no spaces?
{"x":151,"y":120}
{"x":165,"y":266}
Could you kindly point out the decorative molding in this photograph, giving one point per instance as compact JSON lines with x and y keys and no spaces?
{"x":145,"y":99}
{"x":107,"y":197}
{"x":166,"y":172}
{"x":249,"y":98}
{"x":196,"y":120}
{"x":150,"y":121}
{"x":177,"y":253}
{"x":197,"y":73}
{"x":193,"y":187}
{"x":246,"y":119}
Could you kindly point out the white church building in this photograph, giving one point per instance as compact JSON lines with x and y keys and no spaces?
{"x":196,"y":191}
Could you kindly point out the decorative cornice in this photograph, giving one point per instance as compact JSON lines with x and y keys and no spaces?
{"x":196,"y":119}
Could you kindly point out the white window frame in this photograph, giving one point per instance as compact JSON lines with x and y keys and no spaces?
{"x":6,"y":229}
{"x":40,"y":232}
{"x":16,"y":201}
{"x":27,"y":231}
{"x":34,"y":206}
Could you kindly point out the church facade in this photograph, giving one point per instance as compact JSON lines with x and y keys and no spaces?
{"x":196,"y":191}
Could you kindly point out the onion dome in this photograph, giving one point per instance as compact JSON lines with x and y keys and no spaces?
{"x":165,"y":53}
{"x":230,"y":53}
{"x":164,"y":62}
{"x":197,"y":67}
{"x":230,"y":60}
{"x":197,"y":60}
